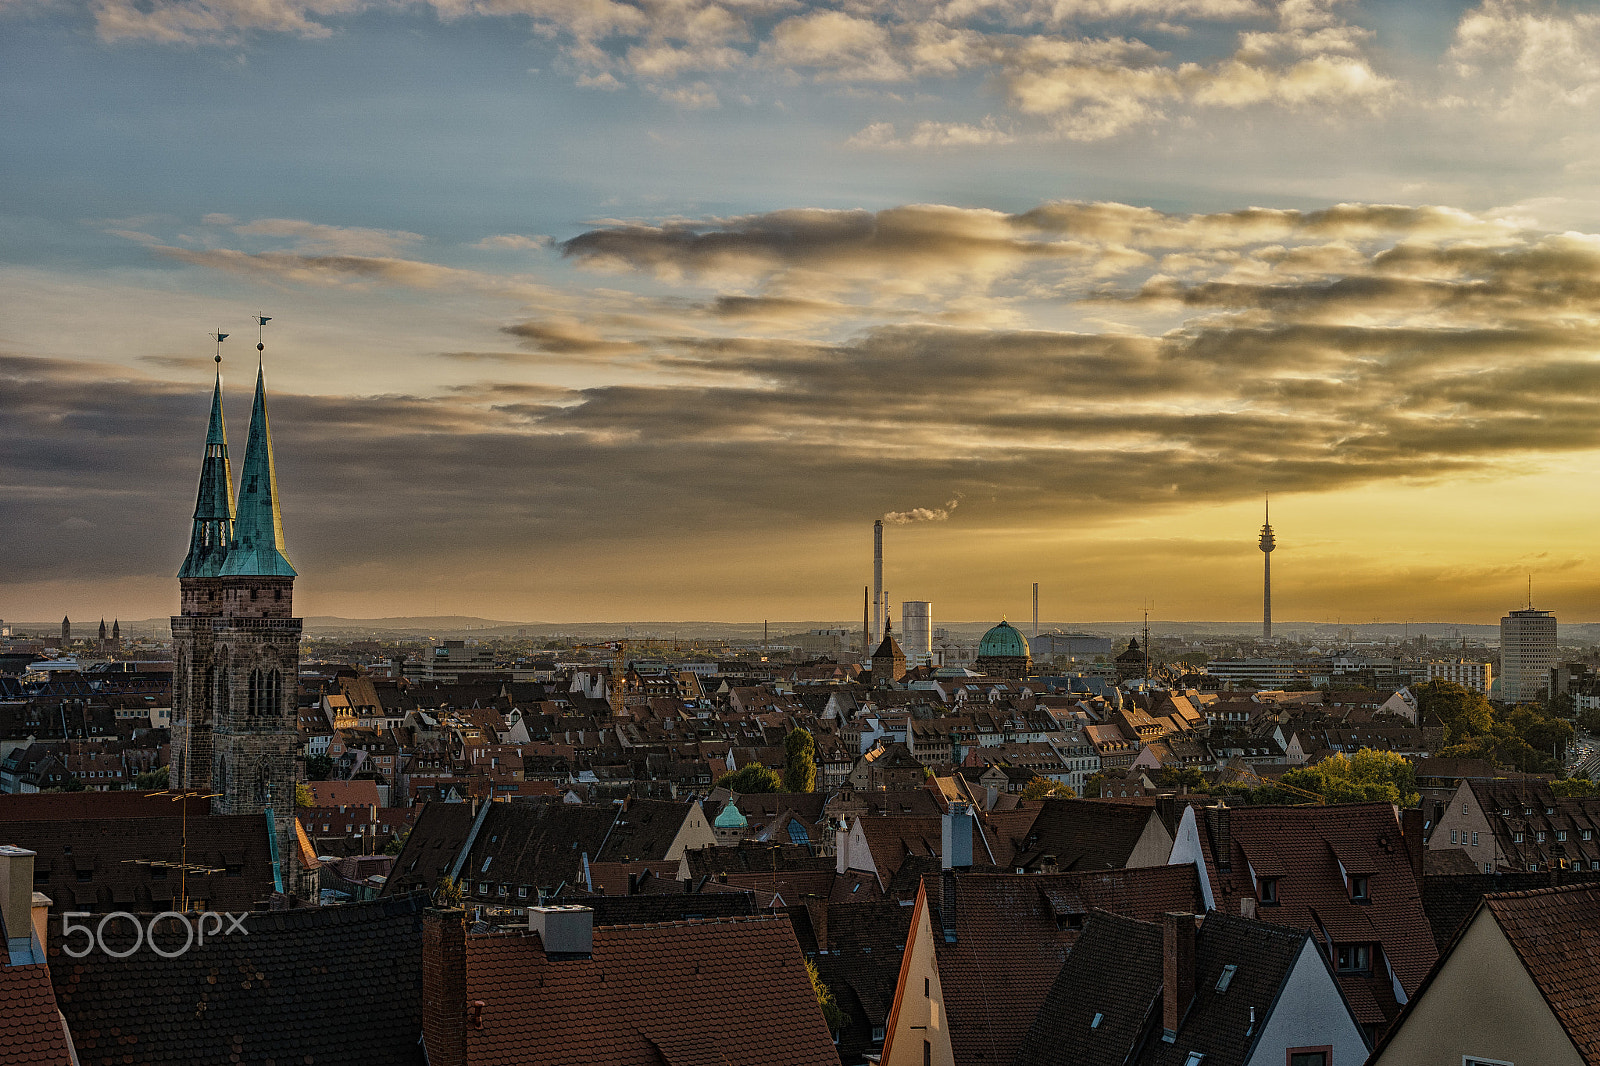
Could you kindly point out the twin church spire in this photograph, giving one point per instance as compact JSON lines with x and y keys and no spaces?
{"x":244,"y":540}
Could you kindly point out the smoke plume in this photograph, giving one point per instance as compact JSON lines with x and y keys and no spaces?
{"x":923,"y":514}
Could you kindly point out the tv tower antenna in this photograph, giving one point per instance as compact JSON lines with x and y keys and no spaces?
{"x":1267,"y":543}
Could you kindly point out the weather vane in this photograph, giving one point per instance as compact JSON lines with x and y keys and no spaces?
{"x":220,"y":337}
{"x":261,"y":343}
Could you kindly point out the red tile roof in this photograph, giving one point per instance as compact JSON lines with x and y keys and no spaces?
{"x":1553,"y":933}
{"x":1302,"y":846}
{"x":363,"y":793}
{"x":699,"y":993}
{"x":31,"y":1033}
{"x":1013,"y":932}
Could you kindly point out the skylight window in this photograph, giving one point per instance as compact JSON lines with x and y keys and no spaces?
{"x":1227,"y":976}
{"x":1096,"y":1023}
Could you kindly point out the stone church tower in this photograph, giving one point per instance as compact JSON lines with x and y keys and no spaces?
{"x":236,"y":643}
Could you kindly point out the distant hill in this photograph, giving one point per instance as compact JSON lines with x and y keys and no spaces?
{"x":456,"y":627}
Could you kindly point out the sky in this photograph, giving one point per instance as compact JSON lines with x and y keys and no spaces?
{"x":646,"y":309}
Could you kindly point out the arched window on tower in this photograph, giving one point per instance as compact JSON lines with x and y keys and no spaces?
{"x":258,"y":694}
{"x":274,"y":706}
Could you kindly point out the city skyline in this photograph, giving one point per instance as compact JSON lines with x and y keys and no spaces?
{"x":651,"y":312}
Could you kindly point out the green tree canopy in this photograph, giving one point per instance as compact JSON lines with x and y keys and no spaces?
{"x":1368,"y":776}
{"x":1574,"y":786}
{"x":318,"y":767}
{"x":751,"y":778}
{"x":1463,"y":712}
{"x":1042,"y":787}
{"x":154,"y":781}
{"x":800,"y":761}
{"x":832,"y":1013}
{"x":1183,"y":776}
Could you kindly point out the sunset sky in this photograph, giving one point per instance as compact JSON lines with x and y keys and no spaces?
{"x":604,"y":310}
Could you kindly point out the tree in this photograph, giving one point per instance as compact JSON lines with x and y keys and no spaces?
{"x":751,"y":778}
{"x":1574,"y":786}
{"x":1589,"y":721}
{"x":303,"y":796}
{"x":155,"y":781}
{"x":800,"y":761}
{"x":1368,"y":776}
{"x":1463,"y":712}
{"x":1188,"y":777}
{"x":318,"y":767}
{"x":1091,"y":785}
{"x":446,"y":893}
{"x":396,"y":843}
{"x":1042,"y":787}
{"x":831,"y":1011}
{"x":1543,"y":732}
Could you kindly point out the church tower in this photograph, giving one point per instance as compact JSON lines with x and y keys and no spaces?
{"x":236,"y":642}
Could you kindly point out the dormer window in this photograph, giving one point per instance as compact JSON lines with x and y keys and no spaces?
{"x":1360,"y":888}
{"x":1269,"y":890}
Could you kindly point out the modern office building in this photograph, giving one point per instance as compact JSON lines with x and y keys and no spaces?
{"x":1527,"y":652}
{"x":916,"y":631}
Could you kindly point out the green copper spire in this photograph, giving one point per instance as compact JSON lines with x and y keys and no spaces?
{"x":213,"y":509}
{"x":258,"y":548}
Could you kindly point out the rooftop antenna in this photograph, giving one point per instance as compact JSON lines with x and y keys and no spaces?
{"x":1530,"y":592}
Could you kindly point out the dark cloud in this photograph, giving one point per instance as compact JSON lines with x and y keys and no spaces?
{"x":568,"y":338}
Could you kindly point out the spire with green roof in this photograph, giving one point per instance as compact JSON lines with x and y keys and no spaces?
{"x":213,"y":508}
{"x":258,"y":548}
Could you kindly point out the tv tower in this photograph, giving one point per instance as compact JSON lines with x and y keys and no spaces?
{"x":1268,"y":543}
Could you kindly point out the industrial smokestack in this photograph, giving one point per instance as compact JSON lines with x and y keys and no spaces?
{"x":866,"y":633}
{"x":877,"y":580}
{"x":1035,"y":610}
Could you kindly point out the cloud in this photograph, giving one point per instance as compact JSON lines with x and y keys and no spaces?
{"x":568,"y":338}
{"x":930,"y":134}
{"x":695,"y":97}
{"x":316,"y":239}
{"x":835,"y":45}
{"x":513,"y":242}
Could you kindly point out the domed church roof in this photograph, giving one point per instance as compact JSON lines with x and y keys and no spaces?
{"x":731,"y":817}
{"x":1003,"y":640}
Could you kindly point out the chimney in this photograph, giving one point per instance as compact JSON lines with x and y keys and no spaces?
{"x":1177,"y":972}
{"x":955,"y":844}
{"x":877,"y":583}
{"x":841,"y":847}
{"x":1219,"y":821}
{"x":565,"y":932}
{"x":16,"y":899}
{"x":444,"y":986}
{"x":1411,"y":836}
{"x":947,"y":904}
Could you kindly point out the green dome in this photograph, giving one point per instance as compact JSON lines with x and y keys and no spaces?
{"x":730,"y":817}
{"x":1003,"y":640}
